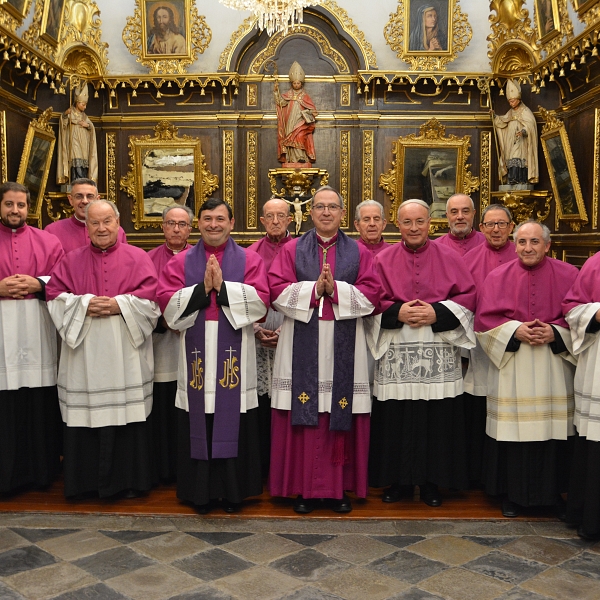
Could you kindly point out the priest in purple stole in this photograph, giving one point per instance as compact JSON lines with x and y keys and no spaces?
{"x":497,"y":225}
{"x":462,"y":238}
{"x":417,"y":424}
{"x":72,"y":232}
{"x":30,"y":427}
{"x":102,"y":300}
{"x":276,"y":219}
{"x":323,"y":283}
{"x":530,"y":404}
{"x":581,"y":307}
{"x":176,"y":226}
{"x":213,"y":294}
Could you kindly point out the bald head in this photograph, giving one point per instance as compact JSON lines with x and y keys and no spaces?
{"x":276,"y":218}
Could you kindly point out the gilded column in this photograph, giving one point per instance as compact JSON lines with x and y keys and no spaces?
{"x":345,"y":173}
{"x":368,"y":140}
{"x":228,"y":167}
{"x":252,"y":180}
{"x":484,"y":170}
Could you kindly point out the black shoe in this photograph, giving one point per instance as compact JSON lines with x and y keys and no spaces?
{"x":303,"y":506}
{"x":203,"y":509}
{"x":230,"y":507}
{"x":560,"y":509}
{"x":131,"y":493}
{"x":590,"y":537}
{"x":510,"y":509}
{"x":396,"y":492}
{"x":342,"y":506}
{"x":431,"y":495}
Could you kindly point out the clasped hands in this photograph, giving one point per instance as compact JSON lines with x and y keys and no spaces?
{"x":535,"y":333}
{"x":267,"y":338}
{"x":417,"y":313}
{"x":19,"y":286}
{"x":103,"y":306}
{"x":325,"y":283}
{"x":213,"y":276}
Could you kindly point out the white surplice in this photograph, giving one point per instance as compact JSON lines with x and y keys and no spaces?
{"x":120,"y":345}
{"x":28,"y":345}
{"x":245,"y":307}
{"x":586,"y":347}
{"x":530,"y":392}
{"x":294,"y":303}
{"x":420,"y":364}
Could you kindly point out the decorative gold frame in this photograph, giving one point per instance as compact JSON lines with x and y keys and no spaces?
{"x":565,"y":183}
{"x":39,"y":145}
{"x":432,"y":136}
{"x":47,"y":37}
{"x":14,"y":11}
{"x":398,"y":30}
{"x":165,"y":137}
{"x":197,"y":36}
{"x":544,"y":37}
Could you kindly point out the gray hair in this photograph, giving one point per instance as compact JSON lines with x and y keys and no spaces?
{"x":101,"y":201}
{"x":287,"y":204}
{"x":415,"y":201}
{"x":187,"y":209}
{"x":368,"y":203}
{"x":459,"y":196}
{"x":328,"y":188}
{"x":545,"y":230}
{"x":496,"y":207}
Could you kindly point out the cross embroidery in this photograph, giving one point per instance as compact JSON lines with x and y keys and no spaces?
{"x":22,"y":353}
{"x":343,"y":403}
{"x":304,"y":397}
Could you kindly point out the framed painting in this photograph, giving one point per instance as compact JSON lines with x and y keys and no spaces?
{"x":35,"y":161}
{"x":52,"y":19}
{"x":17,"y":8}
{"x":165,"y":28}
{"x":166,"y":170}
{"x":582,"y":6}
{"x":547,"y":19}
{"x":430,"y":166}
{"x":570,"y":206}
{"x":428,"y":26}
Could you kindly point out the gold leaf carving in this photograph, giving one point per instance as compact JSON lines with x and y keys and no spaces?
{"x":394,"y":34}
{"x":32,"y":34}
{"x":484,"y":169}
{"x":349,"y":27}
{"x":252,"y":179}
{"x":276,"y":39}
{"x":111,"y":167}
{"x":81,"y":33}
{"x":510,"y":23}
{"x":228,"y":167}
{"x":345,"y":171}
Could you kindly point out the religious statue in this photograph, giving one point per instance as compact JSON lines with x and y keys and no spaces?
{"x":296,"y":114}
{"x":517,"y":136}
{"x":77,"y":151}
{"x":297,"y":205}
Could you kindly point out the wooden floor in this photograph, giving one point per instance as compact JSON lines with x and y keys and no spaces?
{"x":162,"y":501}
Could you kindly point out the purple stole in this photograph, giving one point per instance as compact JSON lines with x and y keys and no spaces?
{"x":305,"y":363}
{"x":229,"y":350}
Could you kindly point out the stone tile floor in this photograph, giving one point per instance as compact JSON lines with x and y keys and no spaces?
{"x":73,"y":557}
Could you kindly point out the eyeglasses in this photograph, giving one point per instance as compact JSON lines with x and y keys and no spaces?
{"x":492,"y":224}
{"x":280,"y":217}
{"x":180,"y":224}
{"x":329,"y":207}
{"x":88,"y":197}
{"x":418,"y":222}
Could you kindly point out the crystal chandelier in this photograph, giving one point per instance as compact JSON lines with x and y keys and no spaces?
{"x":273,"y":15}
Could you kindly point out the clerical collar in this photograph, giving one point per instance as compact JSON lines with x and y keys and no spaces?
{"x":108,"y":250}
{"x":215,"y":249}
{"x":14,"y":229}
{"x":272,"y":241}
{"x":535,"y":267}
{"x":469,"y":235}
{"x":78,"y":220}
{"x":176,"y":251}
{"x":419,"y":249}
{"x":326,"y":240}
